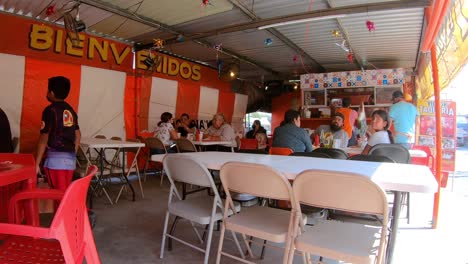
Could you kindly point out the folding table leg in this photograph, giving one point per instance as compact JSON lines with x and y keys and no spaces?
{"x":394,"y":226}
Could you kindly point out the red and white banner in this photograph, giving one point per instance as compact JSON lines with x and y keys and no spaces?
{"x":110,"y":97}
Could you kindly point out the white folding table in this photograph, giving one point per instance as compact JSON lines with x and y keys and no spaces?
{"x":414,"y":153}
{"x":224,"y":143}
{"x":101,"y":145}
{"x":394,"y":177}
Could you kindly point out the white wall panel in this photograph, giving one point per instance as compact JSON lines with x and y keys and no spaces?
{"x":11,"y":101}
{"x":208,"y":105}
{"x":163,"y":99}
{"x":240,"y":107}
{"x":101,"y":106}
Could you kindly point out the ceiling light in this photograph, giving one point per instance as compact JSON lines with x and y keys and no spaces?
{"x":232,"y":74}
{"x":295,"y":86}
{"x":292,"y":22}
{"x":266,"y":87}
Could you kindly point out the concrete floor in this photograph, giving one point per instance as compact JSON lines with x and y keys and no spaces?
{"x":130,"y":232}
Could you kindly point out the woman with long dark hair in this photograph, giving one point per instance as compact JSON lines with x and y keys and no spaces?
{"x":256,"y":129}
{"x":380,"y":123}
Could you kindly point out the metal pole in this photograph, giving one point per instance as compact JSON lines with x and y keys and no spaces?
{"x":438,"y":114}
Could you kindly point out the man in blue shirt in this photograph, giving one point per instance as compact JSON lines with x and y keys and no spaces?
{"x":404,"y":116}
{"x":291,"y":135}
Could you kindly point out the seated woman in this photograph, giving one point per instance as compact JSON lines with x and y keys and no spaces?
{"x":256,"y":129}
{"x":165,"y":132}
{"x":291,"y":135}
{"x":380,"y":124}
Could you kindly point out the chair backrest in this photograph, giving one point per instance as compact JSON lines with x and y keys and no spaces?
{"x":248,"y":143}
{"x":133,"y":150}
{"x":396,"y":152}
{"x":155,"y":143}
{"x":185,"y":145}
{"x":71,"y":219}
{"x":100,"y":136}
{"x":371,"y":158}
{"x":280,"y":151}
{"x":311,"y":154}
{"x":334,"y":153}
{"x":255,"y":179}
{"x":341,"y":191}
{"x":428,"y":161}
{"x":187,"y":170}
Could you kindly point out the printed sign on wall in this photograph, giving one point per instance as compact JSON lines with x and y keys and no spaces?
{"x":427,"y":130}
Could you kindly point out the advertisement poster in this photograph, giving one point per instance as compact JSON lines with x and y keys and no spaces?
{"x":427,"y":130}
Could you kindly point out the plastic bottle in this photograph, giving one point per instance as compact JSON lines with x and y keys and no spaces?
{"x":316,"y":140}
{"x":322,"y":139}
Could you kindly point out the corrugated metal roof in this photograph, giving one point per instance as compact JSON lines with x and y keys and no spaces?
{"x":394,"y":43}
{"x":172,"y":12}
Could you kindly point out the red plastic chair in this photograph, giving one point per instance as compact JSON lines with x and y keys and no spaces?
{"x":248,"y":143}
{"x":428,"y":161}
{"x":280,"y":151}
{"x":69,"y":239}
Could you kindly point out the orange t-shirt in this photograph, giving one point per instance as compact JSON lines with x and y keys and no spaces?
{"x":350,"y":117}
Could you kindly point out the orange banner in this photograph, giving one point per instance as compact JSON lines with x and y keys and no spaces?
{"x":49,"y":42}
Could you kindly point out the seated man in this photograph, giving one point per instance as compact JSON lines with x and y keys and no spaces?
{"x":186,"y":126}
{"x":291,"y":135}
{"x":220,"y":130}
{"x":336,"y":127}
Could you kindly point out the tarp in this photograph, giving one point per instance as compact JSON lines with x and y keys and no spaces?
{"x":110,"y":96}
{"x":452,"y":51}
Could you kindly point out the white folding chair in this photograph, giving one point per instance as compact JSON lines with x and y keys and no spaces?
{"x":343,"y":241}
{"x":133,"y":166}
{"x":265,"y":223}
{"x":153,"y":143}
{"x":202,"y":209}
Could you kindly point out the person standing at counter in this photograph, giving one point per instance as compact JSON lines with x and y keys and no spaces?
{"x":60,"y":135}
{"x":350,"y":117}
{"x":291,"y":135}
{"x":404,"y":116}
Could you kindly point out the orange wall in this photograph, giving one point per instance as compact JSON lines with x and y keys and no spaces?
{"x":279,"y":105}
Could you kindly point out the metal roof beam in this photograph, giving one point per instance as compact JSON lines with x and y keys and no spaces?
{"x":153,"y":23}
{"x":344,"y":33}
{"x":277,"y":34}
{"x":344,"y":10}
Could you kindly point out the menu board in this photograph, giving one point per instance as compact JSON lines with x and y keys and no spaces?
{"x":427,"y":130}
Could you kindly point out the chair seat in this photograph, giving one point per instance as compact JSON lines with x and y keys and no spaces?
{"x":19,"y":249}
{"x":197,"y":209}
{"x":262,"y":222}
{"x":354,"y":243}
